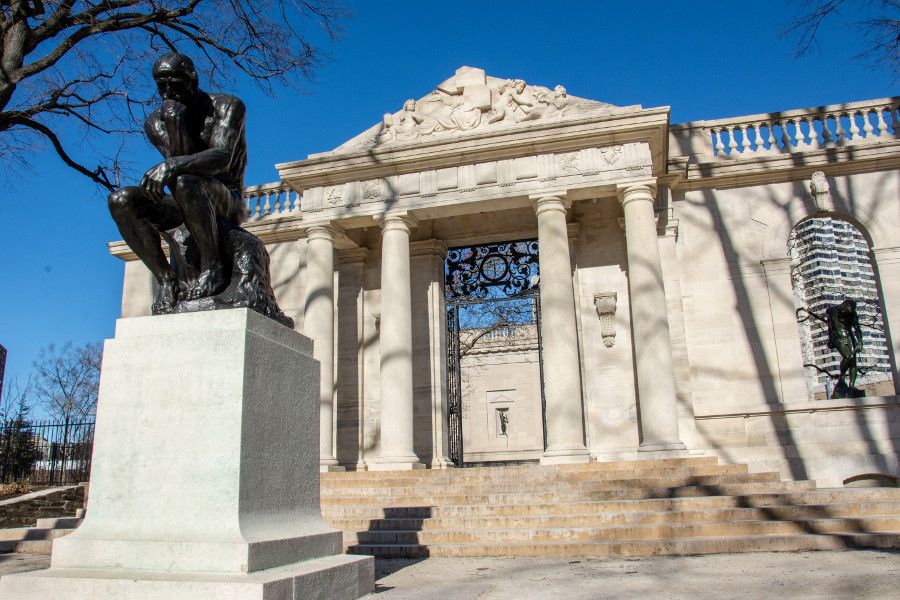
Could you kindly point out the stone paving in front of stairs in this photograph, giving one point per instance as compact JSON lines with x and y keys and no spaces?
{"x":857,"y":574}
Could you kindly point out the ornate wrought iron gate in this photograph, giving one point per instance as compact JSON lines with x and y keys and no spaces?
{"x":487,"y":288}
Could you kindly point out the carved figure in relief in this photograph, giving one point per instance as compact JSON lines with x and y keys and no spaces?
{"x":404,"y":125}
{"x":515,"y":103}
{"x":471,"y":101}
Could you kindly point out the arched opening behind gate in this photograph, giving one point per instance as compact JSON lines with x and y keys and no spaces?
{"x":495,"y":380}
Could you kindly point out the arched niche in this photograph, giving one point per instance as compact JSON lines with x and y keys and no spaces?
{"x":830,"y":259}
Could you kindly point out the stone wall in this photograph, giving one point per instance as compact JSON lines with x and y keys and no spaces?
{"x":25,"y":513}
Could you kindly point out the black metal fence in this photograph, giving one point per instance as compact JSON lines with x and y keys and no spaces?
{"x":46,"y":453}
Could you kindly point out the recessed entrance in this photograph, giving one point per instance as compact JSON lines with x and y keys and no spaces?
{"x":495,"y":382}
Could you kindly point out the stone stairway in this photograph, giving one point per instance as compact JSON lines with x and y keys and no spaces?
{"x":37,"y":539}
{"x":633,"y":508}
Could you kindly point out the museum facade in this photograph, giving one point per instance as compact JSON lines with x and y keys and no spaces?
{"x":501,"y":272}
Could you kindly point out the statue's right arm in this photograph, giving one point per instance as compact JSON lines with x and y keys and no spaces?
{"x":156,"y":133}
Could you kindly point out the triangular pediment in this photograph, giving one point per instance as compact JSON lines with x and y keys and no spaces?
{"x":471,"y":103}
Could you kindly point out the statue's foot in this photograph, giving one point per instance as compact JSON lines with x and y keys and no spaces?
{"x":208,"y":283}
{"x":166,"y":297}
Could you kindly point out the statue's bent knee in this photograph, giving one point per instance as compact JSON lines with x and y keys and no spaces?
{"x":122,"y":199}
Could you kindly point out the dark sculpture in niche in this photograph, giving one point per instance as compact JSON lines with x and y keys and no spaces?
{"x":214,"y":262}
{"x":845,"y":336}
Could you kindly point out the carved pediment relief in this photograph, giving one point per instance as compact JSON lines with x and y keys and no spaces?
{"x":471,"y":101}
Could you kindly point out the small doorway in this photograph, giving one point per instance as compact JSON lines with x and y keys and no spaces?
{"x":494,"y":367}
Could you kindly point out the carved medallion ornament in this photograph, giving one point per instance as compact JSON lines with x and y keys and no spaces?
{"x":471,"y":101}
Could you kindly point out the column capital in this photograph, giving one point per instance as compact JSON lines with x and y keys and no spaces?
{"x":543,"y":204}
{"x":394,"y":221}
{"x":641,"y":190}
{"x":323,"y":231}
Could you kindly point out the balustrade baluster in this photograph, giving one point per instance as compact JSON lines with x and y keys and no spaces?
{"x":732,"y":143}
{"x":854,"y":129}
{"x":717,"y":134}
{"x":826,"y":131}
{"x":745,"y":139}
{"x":785,"y":136}
{"x":867,"y":124}
{"x":773,"y":143}
{"x":813,"y":135}
{"x":882,"y":124}
{"x":839,"y":132}
{"x":267,"y":207}
{"x":798,"y":133}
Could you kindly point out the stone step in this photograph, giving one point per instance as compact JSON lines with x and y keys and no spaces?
{"x":713,"y":515}
{"x":828,"y":496}
{"x":429,"y":489}
{"x":538,"y":475}
{"x":59,"y":522}
{"x":520,"y":470}
{"x":532,"y":497}
{"x":636,"y":548}
{"x":623,"y":534}
{"x":30,"y":540}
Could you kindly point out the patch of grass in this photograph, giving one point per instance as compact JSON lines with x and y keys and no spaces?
{"x":16,"y":488}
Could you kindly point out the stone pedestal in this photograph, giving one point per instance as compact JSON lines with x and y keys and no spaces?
{"x":205,"y":478}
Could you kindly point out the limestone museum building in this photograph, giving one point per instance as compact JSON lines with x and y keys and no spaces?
{"x":501,"y":272}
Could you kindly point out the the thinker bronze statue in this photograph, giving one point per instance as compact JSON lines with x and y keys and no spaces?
{"x":193,"y":200}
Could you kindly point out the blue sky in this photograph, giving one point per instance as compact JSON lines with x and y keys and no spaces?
{"x":705,"y":59}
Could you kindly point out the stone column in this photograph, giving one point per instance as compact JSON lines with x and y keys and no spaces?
{"x":319,"y":325}
{"x":649,"y":322}
{"x":559,"y":338}
{"x":395,"y":344}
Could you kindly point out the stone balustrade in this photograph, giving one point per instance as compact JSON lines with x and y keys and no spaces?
{"x":802,"y":130}
{"x":270,"y":200}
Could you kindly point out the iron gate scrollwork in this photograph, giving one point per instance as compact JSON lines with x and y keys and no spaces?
{"x":488,"y":275}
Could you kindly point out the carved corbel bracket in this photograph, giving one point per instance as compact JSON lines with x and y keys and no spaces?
{"x":605,"y":303}
{"x":820,"y":190}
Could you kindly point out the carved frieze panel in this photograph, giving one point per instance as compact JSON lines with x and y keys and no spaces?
{"x":524,"y":175}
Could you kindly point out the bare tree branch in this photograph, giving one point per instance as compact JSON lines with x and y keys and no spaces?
{"x":69,"y":66}
{"x":881,"y":33}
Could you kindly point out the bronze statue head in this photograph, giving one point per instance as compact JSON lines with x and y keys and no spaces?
{"x":176,"y":77}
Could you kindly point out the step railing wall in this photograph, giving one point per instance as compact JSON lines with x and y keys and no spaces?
{"x":794,"y":131}
{"x":270,"y":200}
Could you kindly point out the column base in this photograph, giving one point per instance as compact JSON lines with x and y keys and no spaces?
{"x":663,"y":447}
{"x":396,"y":465}
{"x":338,"y":577}
{"x":566,"y":456}
{"x":331,"y":468}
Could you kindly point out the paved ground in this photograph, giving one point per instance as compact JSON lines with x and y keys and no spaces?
{"x":854,"y":574}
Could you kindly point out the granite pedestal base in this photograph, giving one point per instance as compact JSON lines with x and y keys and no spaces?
{"x":205,"y":475}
